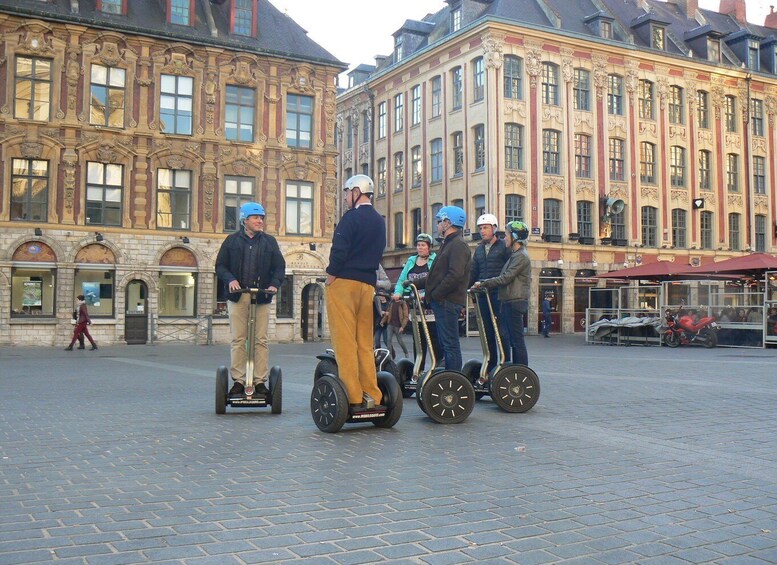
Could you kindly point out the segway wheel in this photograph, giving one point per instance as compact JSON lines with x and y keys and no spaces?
{"x":448,"y":397}
{"x":419,"y":390}
{"x":276,"y":390}
{"x":471,"y":370}
{"x":222,"y":382}
{"x":325,"y":367}
{"x":329,"y":404}
{"x":515,"y":388}
{"x":392,"y":400}
{"x":672,"y":339}
{"x":404,"y":372}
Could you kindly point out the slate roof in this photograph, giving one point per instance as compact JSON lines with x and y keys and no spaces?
{"x":278,"y":35}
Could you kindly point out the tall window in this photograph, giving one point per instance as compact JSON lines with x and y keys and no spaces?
{"x":415,"y":114}
{"x":478,"y":79}
{"x":513,"y":147}
{"x":349,"y":132}
{"x":479,"y":146}
{"x":455,"y":19}
{"x":734,"y":239}
{"x":415,"y":215}
{"x":237,"y":191}
{"x":706,"y":230}
{"x":705,"y":169}
{"x":551,"y":151}
{"x":757,"y":116}
{"x":647,"y":162}
{"x":299,"y":121}
{"x":436,"y":96}
{"x":753,"y":60}
{"x":551,"y":216}
{"x":703,"y":109}
{"x":399,"y":112}
{"x":415,"y":166}
{"x":284,"y":300}
{"x":585,"y":223}
{"x":111,"y":6}
{"x":239,"y":113}
{"x":106,"y":103}
{"x":582,"y":155}
{"x":381,"y":120}
{"x":456,"y":88}
{"x":646,"y":100}
{"x":175,"y":103}
{"x":619,"y":227}
{"x":677,"y":166}
{"x":382,"y":177}
{"x":550,"y":84}
{"x":436,"y":160}
{"x":399,"y":229}
{"x":713,"y":50}
{"x":617,"y":150}
{"x":759,"y":175}
{"x":679,"y":227}
{"x":173,"y":198}
{"x":458,"y":153}
{"x":103,"y":193}
{"x":731,"y":113}
{"x":676,"y":105}
{"x":513,"y":207}
{"x":366,"y":126}
{"x":615,"y":95}
{"x":760,"y":233}
{"x":732,"y":172}
{"x":658,"y":38}
{"x":479,"y":204}
{"x":513,"y":77}
{"x":299,"y":208}
{"x":649,"y":226}
{"x":179,"y":12}
{"x":581,"y":90}
{"x":29,"y":190}
{"x":605,"y":29}
{"x":244,"y":17}
{"x":32,"y":83}
{"x":399,"y":171}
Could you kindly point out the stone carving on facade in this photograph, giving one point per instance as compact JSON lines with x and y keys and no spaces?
{"x":770,"y":105}
{"x":709,"y":196}
{"x":704,"y":136}
{"x":733,"y":139}
{"x":347,"y":157}
{"x":759,"y":145}
{"x":69,"y":160}
{"x":208,"y":190}
{"x":585,"y":190}
{"x":175,"y":162}
{"x":717,"y":94}
{"x":364,"y":151}
{"x":662,"y":90}
{"x":518,"y":106}
{"x":35,"y":38}
{"x":533,"y":61}
{"x":618,"y":190}
{"x":209,"y":89}
{"x":647,"y":127}
{"x":616,"y":123}
{"x":302,"y":78}
{"x":493,"y":46}
{"x":553,"y":184}
{"x":761,"y":204}
{"x":649,"y":192}
{"x":567,"y":65}
{"x":176,"y":63}
{"x":32,"y":150}
{"x":632,"y":77}
{"x":551,"y":113}
{"x":109,"y":53}
{"x":106,"y":154}
{"x":12,"y":131}
{"x":583,"y":118}
{"x":677,"y":132}
{"x":735,"y":200}
{"x":679,"y":195}
{"x":516,"y":180}
{"x":600,"y":75}
{"x":691,"y":87}
{"x":243,"y":72}
{"x":330,"y":198}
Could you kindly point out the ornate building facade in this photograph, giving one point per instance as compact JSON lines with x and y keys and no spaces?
{"x":621,"y":132}
{"x":130,"y":134}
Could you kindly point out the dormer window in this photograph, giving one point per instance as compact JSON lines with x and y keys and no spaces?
{"x":658,"y":37}
{"x":753,"y":62}
{"x":713,"y":50}
{"x":112,"y":6}
{"x":455,"y":19}
{"x":605,"y":29}
{"x":243,"y":17}
{"x":180,"y":12}
{"x":398,"y":51}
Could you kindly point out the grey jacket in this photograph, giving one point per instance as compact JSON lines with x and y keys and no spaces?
{"x":514,"y":281}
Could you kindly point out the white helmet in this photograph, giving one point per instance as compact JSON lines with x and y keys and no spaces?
{"x":362,"y":182}
{"x":487,"y":220}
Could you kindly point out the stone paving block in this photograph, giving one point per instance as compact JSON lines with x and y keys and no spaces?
{"x":177,"y":552}
{"x":83,"y":550}
{"x":357,"y":557}
{"x":267,"y":556}
{"x":443,"y":544}
{"x":314,"y":549}
{"x":450,"y":558}
{"x":227,"y":547}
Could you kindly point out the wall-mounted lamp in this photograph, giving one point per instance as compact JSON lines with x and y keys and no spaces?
{"x":312,"y":246}
{"x":98,"y":236}
{"x":38,"y":232}
{"x":560,"y":262}
{"x":185,"y":239}
{"x":594,"y":263}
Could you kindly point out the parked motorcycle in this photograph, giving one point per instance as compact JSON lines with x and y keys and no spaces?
{"x":682,"y":330}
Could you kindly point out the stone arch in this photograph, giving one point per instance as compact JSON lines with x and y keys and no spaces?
{"x":303,"y":259}
{"x":16,"y":248}
{"x":178,"y":257}
{"x":151,"y":282}
{"x":196,"y":254}
{"x":89,"y":241}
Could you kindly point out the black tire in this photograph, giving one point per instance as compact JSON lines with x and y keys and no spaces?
{"x":448,"y":397}
{"x":471,"y":370}
{"x":515,"y":388}
{"x":222,"y":383}
{"x":710,"y":339}
{"x":329,"y":404}
{"x":418,"y":390}
{"x":390,"y":367}
{"x":276,"y":390}
{"x":392,"y":400}
{"x":404,"y":374}
{"x":672,"y":339}
{"x":324,"y":367}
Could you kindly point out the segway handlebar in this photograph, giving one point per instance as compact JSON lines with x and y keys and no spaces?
{"x":254,"y":290}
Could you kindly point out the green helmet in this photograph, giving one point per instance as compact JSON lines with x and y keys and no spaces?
{"x":424,"y":237}
{"x":518,"y":231}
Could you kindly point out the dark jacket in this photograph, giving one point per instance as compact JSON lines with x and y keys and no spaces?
{"x":357,"y":246}
{"x":447,"y":278}
{"x":486,"y":266}
{"x":515,"y":279}
{"x":83,"y":314}
{"x":251,"y":261}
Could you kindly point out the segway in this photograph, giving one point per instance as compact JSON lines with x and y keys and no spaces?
{"x":328,"y":364}
{"x":446,"y":396}
{"x":250,"y":398}
{"x":513,"y":387}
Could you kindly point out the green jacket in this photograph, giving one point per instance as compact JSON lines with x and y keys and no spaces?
{"x":515,"y":279}
{"x":399,"y":289}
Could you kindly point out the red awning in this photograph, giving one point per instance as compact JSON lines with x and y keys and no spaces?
{"x":651,"y":271}
{"x":754,"y":263}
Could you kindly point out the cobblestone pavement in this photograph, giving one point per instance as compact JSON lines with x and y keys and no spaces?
{"x":632,"y":455}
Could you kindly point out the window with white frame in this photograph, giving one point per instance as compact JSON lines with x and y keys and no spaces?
{"x":676,"y":114}
{"x":649,"y":226}
{"x":458,"y":153}
{"x":237,"y":191}
{"x":759,"y":174}
{"x":757,"y":116}
{"x":478,"y":79}
{"x":551,"y":216}
{"x":436,"y":96}
{"x":479,"y":146}
{"x":703,"y":109}
{"x":705,"y":169}
{"x":550,"y":83}
{"x":734,"y":237}
{"x":415,"y":113}
{"x":615,"y":95}
{"x":513,"y":147}
{"x":760,"y":233}
{"x":415,"y":166}
{"x":381,"y":177}
{"x":585,"y":215}
{"x":104,"y":190}
{"x":732,"y":172}
{"x":106,"y":103}
{"x":514,"y":204}
{"x":647,"y":162}
{"x":32,"y":88}
{"x":679,"y":228}
{"x":175,"y":104}
{"x":513,"y":77}
{"x":29,"y":190}
{"x":399,"y":230}
{"x":399,"y":112}
{"x":173,"y":199}
{"x":239,"y":112}
{"x":243,"y":19}
{"x":299,"y":208}
{"x":646,"y":100}
{"x":399,"y":171}
{"x":581,"y":90}
{"x":436,"y":160}
{"x":582,"y":155}
{"x":180,"y":12}
{"x":677,"y":166}
{"x":707,"y":227}
{"x":299,"y":121}
{"x":456,"y":88}
{"x":551,"y":151}
{"x":381,"y":120}
{"x":730,"y":106}
{"x":617,"y":163}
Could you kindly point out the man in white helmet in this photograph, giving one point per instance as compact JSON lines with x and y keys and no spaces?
{"x":357,"y":248}
{"x":487,"y":262}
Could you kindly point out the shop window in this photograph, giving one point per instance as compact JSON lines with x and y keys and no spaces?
{"x":32,"y":292}
{"x":551,"y":284}
{"x":177,"y":294}
{"x":284,"y":301}
{"x":97,"y":286}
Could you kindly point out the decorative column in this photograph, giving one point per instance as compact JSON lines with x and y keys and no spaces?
{"x":493,"y":45}
{"x":533,"y":63}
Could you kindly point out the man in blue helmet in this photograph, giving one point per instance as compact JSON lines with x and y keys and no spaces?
{"x":250,"y":258}
{"x":446,"y":284}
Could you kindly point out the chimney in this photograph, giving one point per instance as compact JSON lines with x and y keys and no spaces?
{"x":687,"y":7}
{"x":771,"y":19}
{"x":735,"y":9}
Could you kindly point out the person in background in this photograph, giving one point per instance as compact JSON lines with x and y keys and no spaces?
{"x":81,"y":326}
{"x":395,"y":320}
{"x":547,"y":322}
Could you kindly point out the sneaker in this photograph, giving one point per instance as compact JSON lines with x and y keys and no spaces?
{"x":237,"y":389}
{"x":94,"y":346}
{"x":262,"y":389}
{"x":69,"y":348}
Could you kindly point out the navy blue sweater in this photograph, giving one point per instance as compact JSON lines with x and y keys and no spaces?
{"x":358,"y":244}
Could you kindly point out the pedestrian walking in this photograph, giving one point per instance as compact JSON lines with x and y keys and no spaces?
{"x":395,"y":320}
{"x":547,"y":322}
{"x":82,"y":324}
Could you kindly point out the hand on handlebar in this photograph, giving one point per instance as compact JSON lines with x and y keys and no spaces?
{"x":234,"y":286}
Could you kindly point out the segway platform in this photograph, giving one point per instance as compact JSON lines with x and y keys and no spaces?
{"x":252,"y":400}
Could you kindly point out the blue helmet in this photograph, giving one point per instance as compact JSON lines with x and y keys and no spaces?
{"x":251,"y":209}
{"x":455,"y":215}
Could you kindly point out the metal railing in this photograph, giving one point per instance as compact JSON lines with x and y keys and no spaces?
{"x":197,"y":330}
